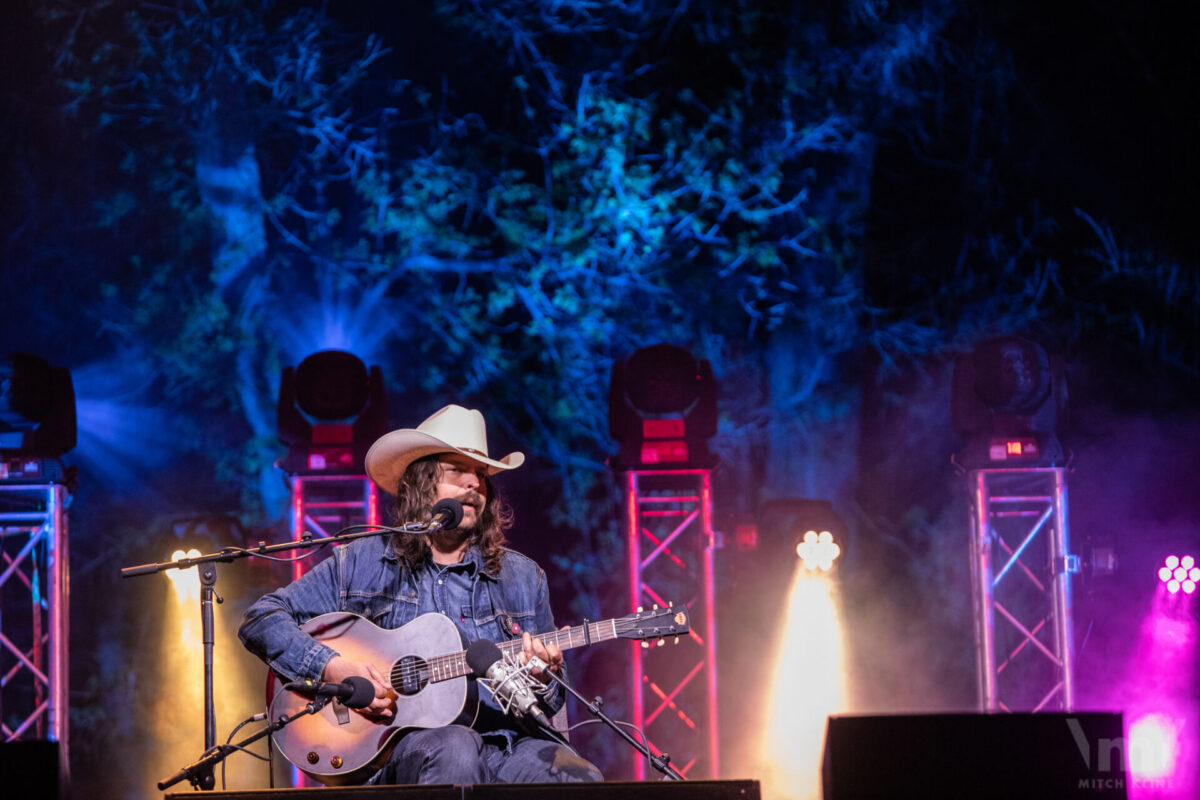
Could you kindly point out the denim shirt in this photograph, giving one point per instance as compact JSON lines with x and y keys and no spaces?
{"x":367,"y":577}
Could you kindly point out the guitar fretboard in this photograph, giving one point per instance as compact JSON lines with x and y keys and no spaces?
{"x":454,"y":665}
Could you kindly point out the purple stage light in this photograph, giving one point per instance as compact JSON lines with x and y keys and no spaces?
{"x":1153,"y":747}
{"x":1180,"y":574}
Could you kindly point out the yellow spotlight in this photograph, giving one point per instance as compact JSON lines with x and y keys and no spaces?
{"x":186,"y":581}
{"x":818,"y":550}
{"x":808,"y":685}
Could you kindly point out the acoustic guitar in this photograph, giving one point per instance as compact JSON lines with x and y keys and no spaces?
{"x":428,"y":671}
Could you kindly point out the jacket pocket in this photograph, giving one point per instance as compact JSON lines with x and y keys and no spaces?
{"x":511,"y":624}
{"x":379,"y":607}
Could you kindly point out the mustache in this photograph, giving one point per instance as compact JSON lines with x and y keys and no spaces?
{"x":470,"y":498}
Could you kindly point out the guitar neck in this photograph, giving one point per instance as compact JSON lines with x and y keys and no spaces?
{"x":568,"y":638}
{"x":454,"y":665}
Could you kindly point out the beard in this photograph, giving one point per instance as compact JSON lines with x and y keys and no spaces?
{"x":472,"y":524}
{"x":449,"y":540}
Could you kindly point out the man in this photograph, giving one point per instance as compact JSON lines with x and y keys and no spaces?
{"x":466,"y":574}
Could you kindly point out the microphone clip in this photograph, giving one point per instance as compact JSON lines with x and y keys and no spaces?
{"x":516,"y":678}
{"x":447,"y":513}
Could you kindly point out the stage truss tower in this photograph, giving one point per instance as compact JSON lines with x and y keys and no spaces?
{"x":670,"y":541}
{"x":323,"y":504}
{"x":34,"y":584}
{"x":1021,"y":570}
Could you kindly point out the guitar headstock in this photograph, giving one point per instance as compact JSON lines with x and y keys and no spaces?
{"x":654,"y":623}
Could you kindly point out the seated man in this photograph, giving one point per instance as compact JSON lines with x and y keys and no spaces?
{"x":466,"y":574}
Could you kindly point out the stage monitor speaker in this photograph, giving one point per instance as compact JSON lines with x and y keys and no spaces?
{"x":30,"y":768}
{"x":617,"y":790}
{"x":611,"y":790}
{"x":933,"y":756}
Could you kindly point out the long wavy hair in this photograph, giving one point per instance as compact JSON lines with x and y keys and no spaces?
{"x":414,"y":501}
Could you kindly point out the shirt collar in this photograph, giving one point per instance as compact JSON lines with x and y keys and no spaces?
{"x":473,"y":558}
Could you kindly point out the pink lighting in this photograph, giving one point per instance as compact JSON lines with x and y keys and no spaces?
{"x":1153,"y":747}
{"x":1160,"y":699}
{"x":1180,"y":574}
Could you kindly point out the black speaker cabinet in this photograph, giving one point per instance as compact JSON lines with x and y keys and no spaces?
{"x":609,"y":790}
{"x":31,"y":769}
{"x":618,"y":790}
{"x":1049,"y":755}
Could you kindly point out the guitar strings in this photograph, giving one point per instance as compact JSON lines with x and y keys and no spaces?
{"x":410,"y":669}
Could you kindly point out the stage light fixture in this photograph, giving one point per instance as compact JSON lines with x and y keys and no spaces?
{"x":810,"y":530}
{"x":331,"y":408}
{"x":818,"y":550}
{"x":1180,"y":574}
{"x":662,"y":409}
{"x":185,"y":582}
{"x":37,"y":413}
{"x":1008,"y":398}
{"x":1153,"y":747}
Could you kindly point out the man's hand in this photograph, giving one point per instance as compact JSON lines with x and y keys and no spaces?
{"x":548,"y":653}
{"x":383,"y":707}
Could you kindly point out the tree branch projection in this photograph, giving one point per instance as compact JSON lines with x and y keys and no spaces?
{"x":586,"y":179}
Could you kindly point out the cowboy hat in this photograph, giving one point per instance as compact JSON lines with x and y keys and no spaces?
{"x":452,"y":429}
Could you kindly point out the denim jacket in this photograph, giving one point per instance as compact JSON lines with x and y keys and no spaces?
{"x":367,"y":577}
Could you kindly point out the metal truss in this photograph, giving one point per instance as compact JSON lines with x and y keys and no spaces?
{"x":1021,"y":572}
{"x":324,"y":504}
{"x":674,"y":689}
{"x":33,"y":585}
{"x":321,"y":505}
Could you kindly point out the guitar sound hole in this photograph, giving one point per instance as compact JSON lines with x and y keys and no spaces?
{"x":410,"y":675}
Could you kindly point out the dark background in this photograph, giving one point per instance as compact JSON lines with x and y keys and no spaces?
{"x":1100,"y":123}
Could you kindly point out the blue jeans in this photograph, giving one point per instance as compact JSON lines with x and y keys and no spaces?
{"x":457,"y":754}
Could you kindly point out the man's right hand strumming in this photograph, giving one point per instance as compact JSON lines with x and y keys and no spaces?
{"x":383,"y":707}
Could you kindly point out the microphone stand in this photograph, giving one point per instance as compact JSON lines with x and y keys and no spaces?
{"x":207,"y":568}
{"x":200,"y":773}
{"x":661,"y":762}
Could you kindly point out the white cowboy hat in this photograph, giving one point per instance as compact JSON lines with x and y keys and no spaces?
{"x":452,"y":429}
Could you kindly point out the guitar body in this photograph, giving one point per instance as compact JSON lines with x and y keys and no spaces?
{"x":427,"y":668}
{"x":337,"y":745}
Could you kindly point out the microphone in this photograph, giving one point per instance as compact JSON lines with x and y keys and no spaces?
{"x":447,"y":513}
{"x":354,"y":692}
{"x":510,"y":684}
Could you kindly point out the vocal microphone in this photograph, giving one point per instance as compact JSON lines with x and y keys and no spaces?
{"x":509,"y":683}
{"x":354,"y":692}
{"x":447,"y":513}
